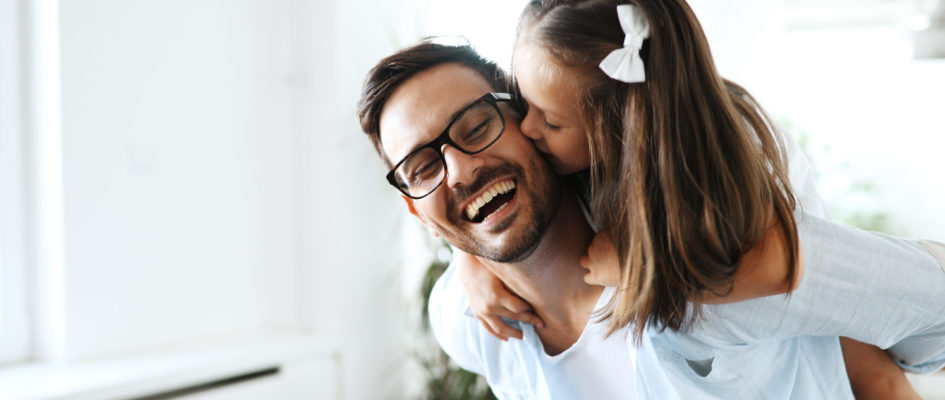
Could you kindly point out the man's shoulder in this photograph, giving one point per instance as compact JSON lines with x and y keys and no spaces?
{"x":455,"y":328}
{"x":506,"y":365}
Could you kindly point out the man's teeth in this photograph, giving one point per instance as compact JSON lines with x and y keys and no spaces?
{"x":499,"y":188}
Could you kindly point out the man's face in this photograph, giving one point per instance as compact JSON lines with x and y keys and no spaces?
{"x":494,"y":204}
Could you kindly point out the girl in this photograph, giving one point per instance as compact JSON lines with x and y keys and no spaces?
{"x":687,"y":179}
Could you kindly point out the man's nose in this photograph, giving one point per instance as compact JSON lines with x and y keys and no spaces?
{"x":461,"y":167}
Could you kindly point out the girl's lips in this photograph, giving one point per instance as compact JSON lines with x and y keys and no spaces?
{"x":559,"y":166}
{"x":555,"y":163}
{"x":548,"y":156}
{"x":541,"y":148}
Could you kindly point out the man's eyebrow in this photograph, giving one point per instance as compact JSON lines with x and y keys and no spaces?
{"x":448,"y":124}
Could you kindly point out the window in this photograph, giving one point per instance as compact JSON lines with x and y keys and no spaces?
{"x":834,"y":14}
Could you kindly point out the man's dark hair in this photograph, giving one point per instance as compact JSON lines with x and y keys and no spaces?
{"x":397,"y":68}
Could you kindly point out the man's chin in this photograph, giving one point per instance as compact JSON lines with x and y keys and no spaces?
{"x":506,"y":255}
{"x":510,"y":246}
{"x":518,"y":254}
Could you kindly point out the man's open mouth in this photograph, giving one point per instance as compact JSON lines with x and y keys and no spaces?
{"x":490,"y":201}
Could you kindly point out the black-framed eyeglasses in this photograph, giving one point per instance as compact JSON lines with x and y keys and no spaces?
{"x":473,"y":130}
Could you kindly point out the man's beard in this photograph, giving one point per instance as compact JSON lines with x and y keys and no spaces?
{"x":542,"y":193}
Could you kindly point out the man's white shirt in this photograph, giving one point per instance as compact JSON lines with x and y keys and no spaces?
{"x":594,"y":367}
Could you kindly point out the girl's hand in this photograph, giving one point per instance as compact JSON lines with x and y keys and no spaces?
{"x":602,"y":262}
{"x":490,"y":300}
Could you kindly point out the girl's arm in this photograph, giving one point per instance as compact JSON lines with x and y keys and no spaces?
{"x":762,"y":271}
{"x":601,"y":262}
{"x":490,"y":300}
{"x":873,"y":374}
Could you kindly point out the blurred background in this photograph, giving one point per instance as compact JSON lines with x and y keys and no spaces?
{"x":188,"y":207}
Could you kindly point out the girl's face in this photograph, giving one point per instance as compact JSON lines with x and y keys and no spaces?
{"x":552,"y":121}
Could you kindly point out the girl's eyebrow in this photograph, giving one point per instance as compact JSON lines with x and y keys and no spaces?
{"x":545,"y":112}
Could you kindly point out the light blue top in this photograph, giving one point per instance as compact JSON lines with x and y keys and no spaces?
{"x":872,"y":287}
{"x":805,"y":367}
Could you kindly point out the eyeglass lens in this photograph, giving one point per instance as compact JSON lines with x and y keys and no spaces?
{"x":477,"y":128}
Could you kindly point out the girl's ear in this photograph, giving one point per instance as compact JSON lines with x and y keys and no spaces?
{"x":413,"y":211}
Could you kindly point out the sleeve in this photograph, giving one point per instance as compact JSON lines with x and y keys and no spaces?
{"x":454,"y":329}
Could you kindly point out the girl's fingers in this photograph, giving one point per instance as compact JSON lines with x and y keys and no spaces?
{"x":526,"y":316}
{"x":513,"y":303}
{"x":501,"y":329}
{"x":491,"y":331}
{"x":589,"y":278}
{"x":531,"y":318}
{"x":585,"y":262}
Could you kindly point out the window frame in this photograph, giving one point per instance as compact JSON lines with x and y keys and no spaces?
{"x":15,"y":323}
{"x":833,"y":14}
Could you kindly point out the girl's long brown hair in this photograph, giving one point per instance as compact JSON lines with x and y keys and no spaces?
{"x":686,"y":168}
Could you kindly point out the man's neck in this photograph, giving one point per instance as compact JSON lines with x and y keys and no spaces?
{"x":552,"y":280}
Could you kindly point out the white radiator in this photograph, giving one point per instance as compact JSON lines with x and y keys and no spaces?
{"x":285,"y":367}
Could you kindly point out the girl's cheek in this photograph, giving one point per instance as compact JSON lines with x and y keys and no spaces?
{"x":578,"y":160}
{"x":583,"y":151}
{"x":577,"y":156}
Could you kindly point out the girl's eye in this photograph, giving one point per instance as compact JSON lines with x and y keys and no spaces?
{"x":551,"y":126}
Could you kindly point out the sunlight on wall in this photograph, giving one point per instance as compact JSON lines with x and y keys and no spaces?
{"x":871,"y":112}
{"x":489,"y":24}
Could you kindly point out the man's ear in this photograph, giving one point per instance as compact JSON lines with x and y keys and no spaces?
{"x":413,"y":211}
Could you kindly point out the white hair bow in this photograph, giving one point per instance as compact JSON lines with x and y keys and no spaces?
{"x":624,"y":64}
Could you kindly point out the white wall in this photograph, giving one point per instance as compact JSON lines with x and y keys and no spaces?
{"x":216,"y":181}
{"x":178,"y":172}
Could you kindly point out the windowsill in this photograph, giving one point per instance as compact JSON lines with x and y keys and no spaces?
{"x":143,"y":374}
